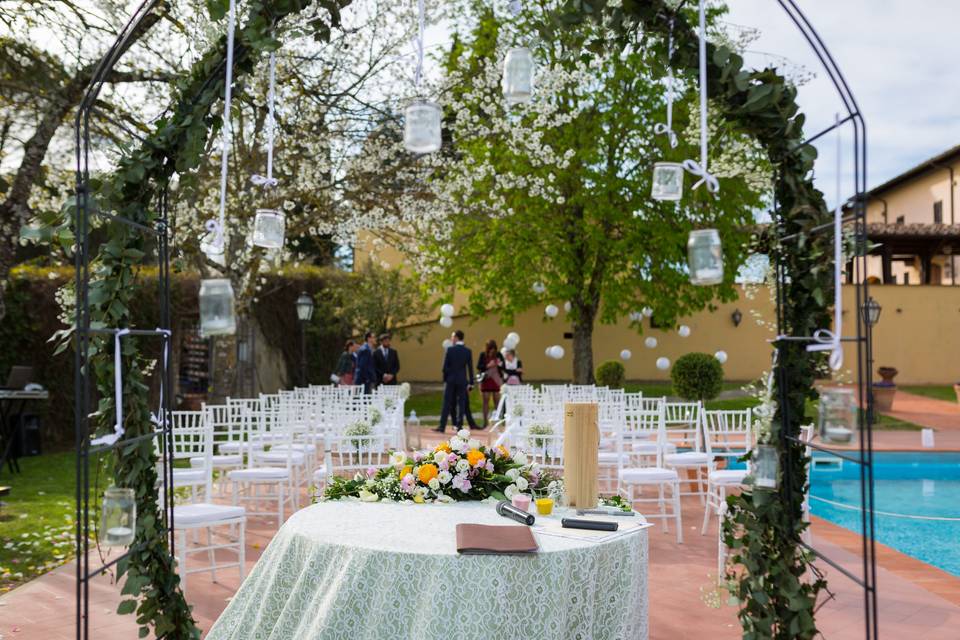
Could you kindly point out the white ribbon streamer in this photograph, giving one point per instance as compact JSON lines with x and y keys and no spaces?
{"x":420,"y":24}
{"x":216,"y":246}
{"x":269,"y":180}
{"x":667,"y":128}
{"x":690,"y":165}
{"x":827,"y":340}
{"x":110,"y":438}
{"x":160,"y":417}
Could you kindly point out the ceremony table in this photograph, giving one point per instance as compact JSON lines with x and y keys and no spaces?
{"x":388,"y":571}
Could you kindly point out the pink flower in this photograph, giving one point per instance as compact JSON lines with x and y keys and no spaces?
{"x":408,"y":483}
{"x":371,"y":472}
{"x":462,"y":482}
{"x":452,"y":458}
{"x":489,"y":466}
{"x":443,"y":464}
{"x":417,"y":456}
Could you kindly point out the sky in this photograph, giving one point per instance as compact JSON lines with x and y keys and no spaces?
{"x":899,"y":58}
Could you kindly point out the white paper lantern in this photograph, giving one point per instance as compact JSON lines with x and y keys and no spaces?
{"x":268,"y":229}
{"x":684,"y":331}
{"x":721,"y":356}
{"x":650,"y":342}
{"x":625,"y":354}
{"x":547,"y":352}
{"x":447,"y":344}
{"x":422,"y":127}
{"x":556,"y":352}
{"x":667,"y":181}
{"x":513,"y":338}
{"x":447,"y":310}
{"x":518,"y":69}
{"x":551,"y":311}
{"x":217,"y":316}
{"x":705,"y":257}
{"x":663,"y":363}
{"x":567,"y":306}
{"x":446,"y":321}
{"x":647,"y":311}
{"x":539,"y":287}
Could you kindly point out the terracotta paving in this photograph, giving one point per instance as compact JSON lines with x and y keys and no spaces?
{"x":917,"y":601}
{"x":927,"y":412}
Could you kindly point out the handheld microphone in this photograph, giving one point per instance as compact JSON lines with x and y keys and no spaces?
{"x":507,"y":510}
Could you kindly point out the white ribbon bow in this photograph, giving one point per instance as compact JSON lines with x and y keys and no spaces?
{"x":666,"y":128}
{"x":694,"y":167}
{"x":663,"y":128}
{"x":827,"y":340}
{"x":215,"y":232}
{"x":707,"y":178}
{"x":110,"y":438}
{"x":263,"y":181}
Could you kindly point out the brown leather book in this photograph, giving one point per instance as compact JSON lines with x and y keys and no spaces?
{"x":479,"y":539}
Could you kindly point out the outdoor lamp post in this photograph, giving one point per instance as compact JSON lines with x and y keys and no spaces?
{"x":304,"y":313}
{"x":871,"y":311}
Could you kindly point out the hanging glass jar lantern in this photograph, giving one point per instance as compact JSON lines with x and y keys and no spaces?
{"x":705,"y":257}
{"x":216,"y":308}
{"x":119,"y":518}
{"x":422,"y":131}
{"x":667,"y":181}
{"x":518,"y":69}
{"x":766,"y":467}
{"x":268,"y":229}
{"x":837,"y":416}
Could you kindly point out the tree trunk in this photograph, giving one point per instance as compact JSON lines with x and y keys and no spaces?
{"x":583,"y":348}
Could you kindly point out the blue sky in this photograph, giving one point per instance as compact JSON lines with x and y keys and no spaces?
{"x":900,"y":59}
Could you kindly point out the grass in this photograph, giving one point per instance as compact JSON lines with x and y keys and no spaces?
{"x":937,"y":392}
{"x":37,"y":520}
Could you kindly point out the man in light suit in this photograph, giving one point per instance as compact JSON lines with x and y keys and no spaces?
{"x":458,"y":382}
{"x":387,"y":361}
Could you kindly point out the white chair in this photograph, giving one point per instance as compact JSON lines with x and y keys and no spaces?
{"x":643,"y":467}
{"x":349,"y":455}
{"x":728,"y":435}
{"x":189,"y":436}
{"x":683,"y":427}
{"x":219,"y":419}
{"x":266,"y":483}
{"x":204,"y":515}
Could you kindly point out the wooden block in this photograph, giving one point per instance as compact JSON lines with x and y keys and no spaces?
{"x":581,"y":444}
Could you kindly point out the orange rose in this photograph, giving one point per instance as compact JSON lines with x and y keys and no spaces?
{"x":443,"y":446}
{"x":428,"y":472}
{"x":406,"y":471}
{"x":474,"y":457}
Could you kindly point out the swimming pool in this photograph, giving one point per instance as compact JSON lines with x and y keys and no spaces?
{"x":925,"y":486}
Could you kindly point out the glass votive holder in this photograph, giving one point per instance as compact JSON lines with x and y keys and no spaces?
{"x":766,"y":467}
{"x":422,"y":127}
{"x":667,"y":181}
{"x":518,"y":69}
{"x":705,"y":257}
{"x":837,"y":416}
{"x":118,"y":523}
{"x":521,"y":501}
{"x":216,"y":308}
{"x":269,"y":227}
{"x":544,"y":505}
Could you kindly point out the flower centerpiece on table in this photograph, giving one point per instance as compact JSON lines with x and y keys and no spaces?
{"x":456,"y":470}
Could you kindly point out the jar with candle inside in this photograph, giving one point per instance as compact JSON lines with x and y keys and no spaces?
{"x":422,"y":131}
{"x":217,"y":315}
{"x":705,"y":257}
{"x":118,"y":523}
{"x":837,"y":415}
{"x":667,"y":181}
{"x":269,"y":227}
{"x":518,"y":69}
{"x":766,"y":467}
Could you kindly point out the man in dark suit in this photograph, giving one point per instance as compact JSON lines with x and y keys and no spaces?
{"x":458,"y":381}
{"x":386,"y":361}
{"x":366,"y":373}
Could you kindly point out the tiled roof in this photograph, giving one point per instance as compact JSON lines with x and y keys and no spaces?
{"x":913,"y":230}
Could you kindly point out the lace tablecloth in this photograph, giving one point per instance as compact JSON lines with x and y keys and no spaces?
{"x":387,"y":571}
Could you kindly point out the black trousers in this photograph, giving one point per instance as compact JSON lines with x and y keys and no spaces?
{"x":451,"y":404}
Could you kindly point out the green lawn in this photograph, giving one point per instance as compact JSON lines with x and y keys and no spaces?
{"x":937,"y":392}
{"x":36,"y":523}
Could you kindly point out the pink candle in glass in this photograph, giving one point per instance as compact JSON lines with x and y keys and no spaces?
{"x":521,"y":501}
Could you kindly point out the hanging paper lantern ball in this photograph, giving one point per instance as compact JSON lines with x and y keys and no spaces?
{"x":512,"y":340}
{"x":446,"y":321}
{"x":635,"y":316}
{"x":647,"y":311}
{"x":721,"y":356}
{"x":567,"y":306}
{"x":651,"y":342}
{"x":556,"y":352}
{"x":625,"y":354}
{"x":684,"y":331}
{"x":547,"y":352}
{"x":663,"y":363}
{"x":518,"y":75}
{"x":447,"y":310}
{"x":447,"y":344}
{"x":551,"y":311}
{"x":539,"y":287}
{"x":422,"y":127}
{"x":705,"y":257}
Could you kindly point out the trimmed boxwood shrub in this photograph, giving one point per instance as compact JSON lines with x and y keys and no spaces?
{"x":697,"y":376}
{"x":610,"y":374}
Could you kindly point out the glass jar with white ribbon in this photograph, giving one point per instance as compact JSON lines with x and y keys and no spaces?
{"x":268,"y":229}
{"x":705,"y":257}
{"x":422,"y":127}
{"x":667,"y":181}
{"x":217,"y":315}
{"x":837,"y":415}
{"x":518,"y":68}
{"x":118,"y":522}
{"x":766,"y":467}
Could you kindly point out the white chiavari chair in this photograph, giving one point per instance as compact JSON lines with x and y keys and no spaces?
{"x":683,"y":428}
{"x":727,"y":435}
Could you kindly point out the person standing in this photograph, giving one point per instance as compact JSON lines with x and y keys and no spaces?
{"x":490,"y":370}
{"x":457,"y":379}
{"x":386,"y":361}
{"x":346,"y":364}
{"x":366,"y":372}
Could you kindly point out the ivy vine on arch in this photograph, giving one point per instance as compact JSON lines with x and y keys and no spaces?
{"x":777,"y":600}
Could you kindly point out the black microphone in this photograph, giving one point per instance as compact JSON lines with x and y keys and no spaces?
{"x":507,"y":510}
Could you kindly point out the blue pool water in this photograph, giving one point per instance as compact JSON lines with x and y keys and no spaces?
{"x":915,"y":484}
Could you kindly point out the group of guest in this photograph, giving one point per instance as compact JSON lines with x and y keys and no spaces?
{"x":367,"y":364}
{"x":495,"y":368}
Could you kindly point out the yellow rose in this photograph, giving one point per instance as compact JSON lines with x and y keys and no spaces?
{"x":405,"y":471}
{"x":474,"y":457}
{"x":418,"y":498}
{"x":503,"y":451}
{"x":428,"y":472}
{"x":443,"y":446}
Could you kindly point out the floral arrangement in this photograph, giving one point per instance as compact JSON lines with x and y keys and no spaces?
{"x":540,"y":430}
{"x":360,"y":429}
{"x":389,"y":403}
{"x":458,"y":469}
{"x":375,"y":416}
{"x":404,"y":391}
{"x":516,"y":410}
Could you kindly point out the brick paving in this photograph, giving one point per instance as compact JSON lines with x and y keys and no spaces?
{"x":926,"y":412}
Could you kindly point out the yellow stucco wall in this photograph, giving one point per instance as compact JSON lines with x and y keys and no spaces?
{"x":919,"y":333}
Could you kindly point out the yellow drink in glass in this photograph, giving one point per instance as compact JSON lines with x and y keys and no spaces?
{"x":544,"y":506}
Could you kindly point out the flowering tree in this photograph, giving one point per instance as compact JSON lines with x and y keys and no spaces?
{"x":548,"y":202}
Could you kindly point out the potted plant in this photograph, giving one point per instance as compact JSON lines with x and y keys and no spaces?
{"x":884,"y":391}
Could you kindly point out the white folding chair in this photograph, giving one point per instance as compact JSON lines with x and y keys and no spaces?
{"x":254,"y":482}
{"x":220,"y":420}
{"x":727,"y":434}
{"x":189,"y":437}
{"x":683,"y":428}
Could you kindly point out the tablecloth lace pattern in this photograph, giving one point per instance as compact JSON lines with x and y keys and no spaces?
{"x":332,"y":575}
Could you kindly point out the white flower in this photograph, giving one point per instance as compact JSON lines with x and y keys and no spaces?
{"x":520,"y":458}
{"x":366,"y":496}
{"x":434,"y":484}
{"x":511,"y":491}
{"x":444,"y":499}
{"x":462,"y":465}
{"x":473,"y":443}
{"x":522,"y":483}
{"x":457,"y":444}
{"x":464,"y":434}
{"x":444,"y":477}
{"x":513,"y":474}
{"x":397,"y":458}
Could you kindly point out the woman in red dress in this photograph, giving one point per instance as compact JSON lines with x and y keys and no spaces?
{"x":490,"y":371}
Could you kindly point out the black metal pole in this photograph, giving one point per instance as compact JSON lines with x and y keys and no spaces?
{"x":303,"y":353}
